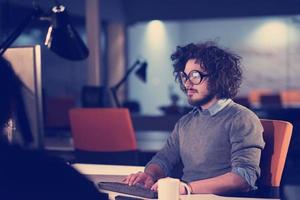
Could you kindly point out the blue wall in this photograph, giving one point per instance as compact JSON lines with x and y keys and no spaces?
{"x":269,"y":47}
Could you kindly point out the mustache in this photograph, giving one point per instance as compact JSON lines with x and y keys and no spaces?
{"x":191,"y":89}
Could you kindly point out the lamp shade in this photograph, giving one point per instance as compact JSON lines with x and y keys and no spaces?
{"x":141,"y":73}
{"x":62,"y":38}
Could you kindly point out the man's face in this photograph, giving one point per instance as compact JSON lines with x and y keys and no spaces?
{"x":198,"y":95}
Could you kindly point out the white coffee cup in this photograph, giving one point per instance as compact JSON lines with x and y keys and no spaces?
{"x":168,"y":188}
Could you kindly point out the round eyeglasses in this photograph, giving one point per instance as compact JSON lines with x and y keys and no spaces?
{"x":195,"y":77}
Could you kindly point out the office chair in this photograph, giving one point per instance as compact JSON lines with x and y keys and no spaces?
{"x":57,"y":110}
{"x":277,"y":135}
{"x":270,"y":101}
{"x":290,"y":97}
{"x":255,"y":96}
{"x":96,"y":97}
{"x":103,"y":136}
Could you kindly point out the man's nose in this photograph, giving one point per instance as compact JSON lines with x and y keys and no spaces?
{"x":188,"y":84}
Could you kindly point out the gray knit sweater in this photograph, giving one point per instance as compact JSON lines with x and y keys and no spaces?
{"x":225,"y":138}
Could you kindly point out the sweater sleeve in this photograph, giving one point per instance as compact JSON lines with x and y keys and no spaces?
{"x":169,"y":155}
{"x":246,"y":145}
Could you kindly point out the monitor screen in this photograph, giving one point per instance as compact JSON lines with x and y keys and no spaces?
{"x":26,"y":62}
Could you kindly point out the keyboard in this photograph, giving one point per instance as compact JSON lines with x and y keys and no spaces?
{"x":135,"y":190}
{"x":121,"y":197}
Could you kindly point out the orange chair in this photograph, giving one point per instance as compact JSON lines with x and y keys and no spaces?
{"x":255,"y":95}
{"x":290,"y":97}
{"x":103,"y":135}
{"x":277,"y":135}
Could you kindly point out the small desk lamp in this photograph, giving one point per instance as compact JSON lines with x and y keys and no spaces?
{"x":141,"y":73}
{"x":61,"y":38}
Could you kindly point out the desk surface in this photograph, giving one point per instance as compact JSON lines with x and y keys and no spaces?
{"x":93,"y":169}
{"x":98,"y":173}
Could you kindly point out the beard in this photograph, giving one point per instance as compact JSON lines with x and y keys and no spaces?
{"x":200,"y":102}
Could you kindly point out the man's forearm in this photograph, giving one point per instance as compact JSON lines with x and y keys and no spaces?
{"x":226,"y":183}
{"x":155,"y":171}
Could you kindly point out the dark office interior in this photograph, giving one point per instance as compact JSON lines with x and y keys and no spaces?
{"x":128,"y":65}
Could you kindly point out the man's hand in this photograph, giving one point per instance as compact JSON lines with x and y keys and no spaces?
{"x":140,"y":177}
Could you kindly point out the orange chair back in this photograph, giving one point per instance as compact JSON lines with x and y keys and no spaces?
{"x":102,"y":129}
{"x":277,"y":135}
{"x":255,"y":95}
{"x":290,"y":97}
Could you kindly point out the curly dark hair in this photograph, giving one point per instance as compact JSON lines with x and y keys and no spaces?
{"x":223,"y":67}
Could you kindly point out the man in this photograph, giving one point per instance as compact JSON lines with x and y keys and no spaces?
{"x":219,"y":142}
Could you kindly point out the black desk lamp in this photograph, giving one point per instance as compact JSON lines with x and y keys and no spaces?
{"x":61,"y":38}
{"x":140,"y":73}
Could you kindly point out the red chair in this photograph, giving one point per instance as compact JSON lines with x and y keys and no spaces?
{"x":103,"y":135}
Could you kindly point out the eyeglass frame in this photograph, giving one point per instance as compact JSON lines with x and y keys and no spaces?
{"x":187,"y":77}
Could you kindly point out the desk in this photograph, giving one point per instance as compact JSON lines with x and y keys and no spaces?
{"x":98,"y":173}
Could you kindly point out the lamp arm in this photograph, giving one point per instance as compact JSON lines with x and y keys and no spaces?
{"x":115,"y":88}
{"x":115,"y":96}
{"x":37,"y":12}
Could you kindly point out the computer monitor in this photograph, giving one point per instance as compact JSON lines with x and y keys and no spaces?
{"x":26,"y":62}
